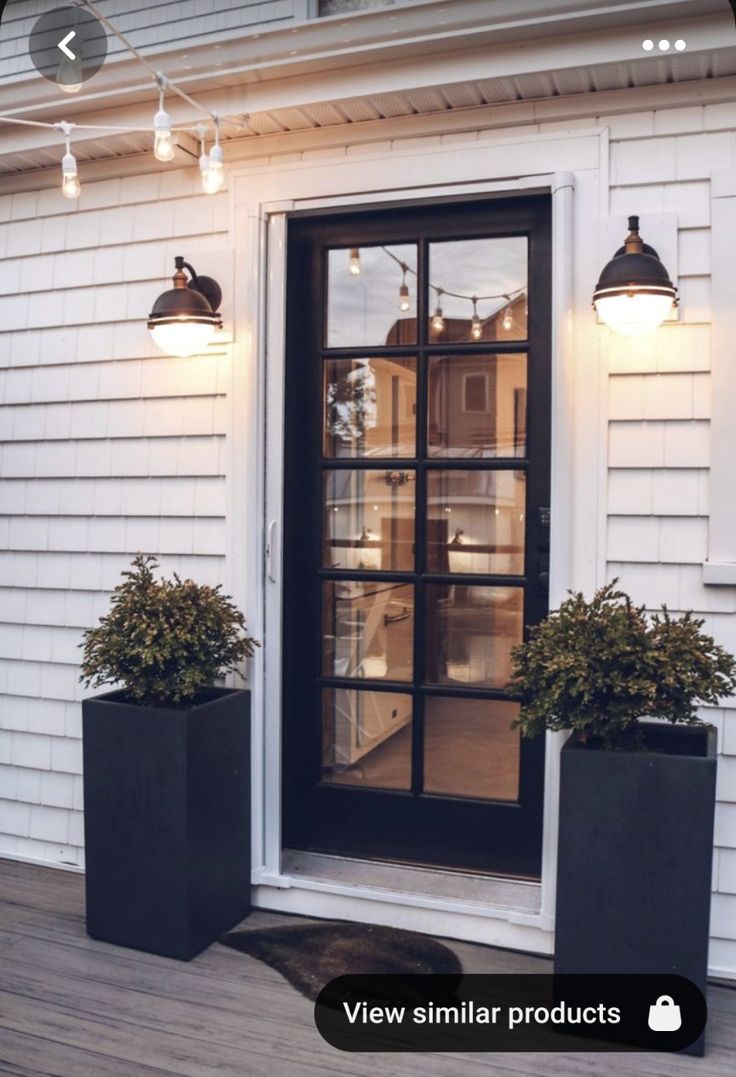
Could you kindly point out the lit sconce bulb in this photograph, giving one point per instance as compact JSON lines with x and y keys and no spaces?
{"x":507,"y":319}
{"x":354,"y":263}
{"x":476,"y":329}
{"x":163,"y":146}
{"x":70,"y":186}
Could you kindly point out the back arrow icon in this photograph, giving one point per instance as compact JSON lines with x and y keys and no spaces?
{"x":63,"y":45}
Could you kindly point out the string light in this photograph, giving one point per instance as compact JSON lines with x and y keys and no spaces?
{"x":476,"y":329}
{"x":70,"y":186}
{"x":210,"y":164}
{"x":70,"y":79}
{"x":69,"y":74}
{"x":404,"y":291}
{"x":163,"y":146}
{"x":438,"y":321}
{"x":354,"y":262}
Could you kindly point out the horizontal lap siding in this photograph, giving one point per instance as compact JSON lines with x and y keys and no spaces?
{"x":149,"y":24}
{"x":107,"y":447}
{"x":659,"y":435}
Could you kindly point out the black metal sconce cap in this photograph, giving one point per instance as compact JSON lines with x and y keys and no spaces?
{"x":635,"y":268}
{"x":194,"y":300}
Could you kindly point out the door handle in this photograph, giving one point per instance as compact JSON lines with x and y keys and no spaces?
{"x":271,"y":530}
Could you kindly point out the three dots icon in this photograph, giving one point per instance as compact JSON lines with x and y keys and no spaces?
{"x":664,"y":45}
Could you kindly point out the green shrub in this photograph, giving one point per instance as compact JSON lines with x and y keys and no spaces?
{"x":164,"y":640}
{"x":597,"y":667}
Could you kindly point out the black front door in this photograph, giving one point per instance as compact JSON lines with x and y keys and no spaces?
{"x":416,"y":537}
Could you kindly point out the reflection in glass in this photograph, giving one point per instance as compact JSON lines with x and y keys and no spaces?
{"x":370,"y":407}
{"x":475,"y":521}
{"x":478,"y":290}
{"x":369,"y":520}
{"x":366,"y":738}
{"x":371,"y":296}
{"x":470,"y":633}
{"x":470,"y":749}
{"x":368,"y":630}
{"x":477,"y":406}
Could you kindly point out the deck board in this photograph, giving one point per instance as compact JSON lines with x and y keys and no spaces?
{"x":71,"y":1006}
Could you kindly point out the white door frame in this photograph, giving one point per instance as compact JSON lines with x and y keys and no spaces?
{"x":572,"y":166}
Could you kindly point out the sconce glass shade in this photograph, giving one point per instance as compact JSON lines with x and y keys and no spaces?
{"x":184,"y":318}
{"x":634,"y":294}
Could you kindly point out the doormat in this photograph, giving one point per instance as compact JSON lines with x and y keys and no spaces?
{"x":310,"y":955}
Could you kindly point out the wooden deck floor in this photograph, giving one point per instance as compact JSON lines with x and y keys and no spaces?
{"x":73,"y":1007}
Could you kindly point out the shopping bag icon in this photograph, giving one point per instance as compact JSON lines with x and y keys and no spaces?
{"x":664,"y":1015}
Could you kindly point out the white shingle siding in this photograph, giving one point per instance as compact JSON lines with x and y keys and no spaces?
{"x":107,"y":448}
{"x":160,"y":23}
{"x":659,"y":436}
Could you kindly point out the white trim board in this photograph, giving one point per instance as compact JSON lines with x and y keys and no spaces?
{"x":720,"y":568}
{"x":573,"y":167}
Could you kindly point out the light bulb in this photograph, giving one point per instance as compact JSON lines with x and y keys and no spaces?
{"x":438,"y":321}
{"x":507,"y":320}
{"x":69,"y":75}
{"x":183,"y":338}
{"x":476,"y":329}
{"x":354,"y":264}
{"x":404,"y":297}
{"x":634,"y":314}
{"x":163,"y":146}
{"x":211,"y":168}
{"x":70,"y":186}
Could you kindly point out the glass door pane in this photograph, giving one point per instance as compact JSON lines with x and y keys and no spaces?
{"x":478,"y":290}
{"x":470,"y":748}
{"x":477,"y":406}
{"x":370,"y":407}
{"x":476,"y":522}
{"x":470,"y":633}
{"x":371,"y":296}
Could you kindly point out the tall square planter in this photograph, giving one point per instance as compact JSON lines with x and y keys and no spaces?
{"x":167,"y":821}
{"x":635,"y":856}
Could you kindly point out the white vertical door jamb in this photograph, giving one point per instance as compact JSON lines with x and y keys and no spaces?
{"x":274,"y":360}
{"x":561,"y":465}
{"x":720,"y":567}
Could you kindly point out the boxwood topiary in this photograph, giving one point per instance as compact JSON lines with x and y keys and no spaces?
{"x":598,"y":666}
{"x":164,"y":641}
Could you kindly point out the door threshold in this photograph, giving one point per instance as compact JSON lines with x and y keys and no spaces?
{"x":450,"y":885}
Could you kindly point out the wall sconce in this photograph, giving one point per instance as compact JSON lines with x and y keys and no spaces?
{"x":184,"y":318}
{"x":634,"y":294}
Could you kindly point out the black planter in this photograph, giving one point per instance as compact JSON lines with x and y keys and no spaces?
{"x":167,"y":821}
{"x":635,"y":856}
